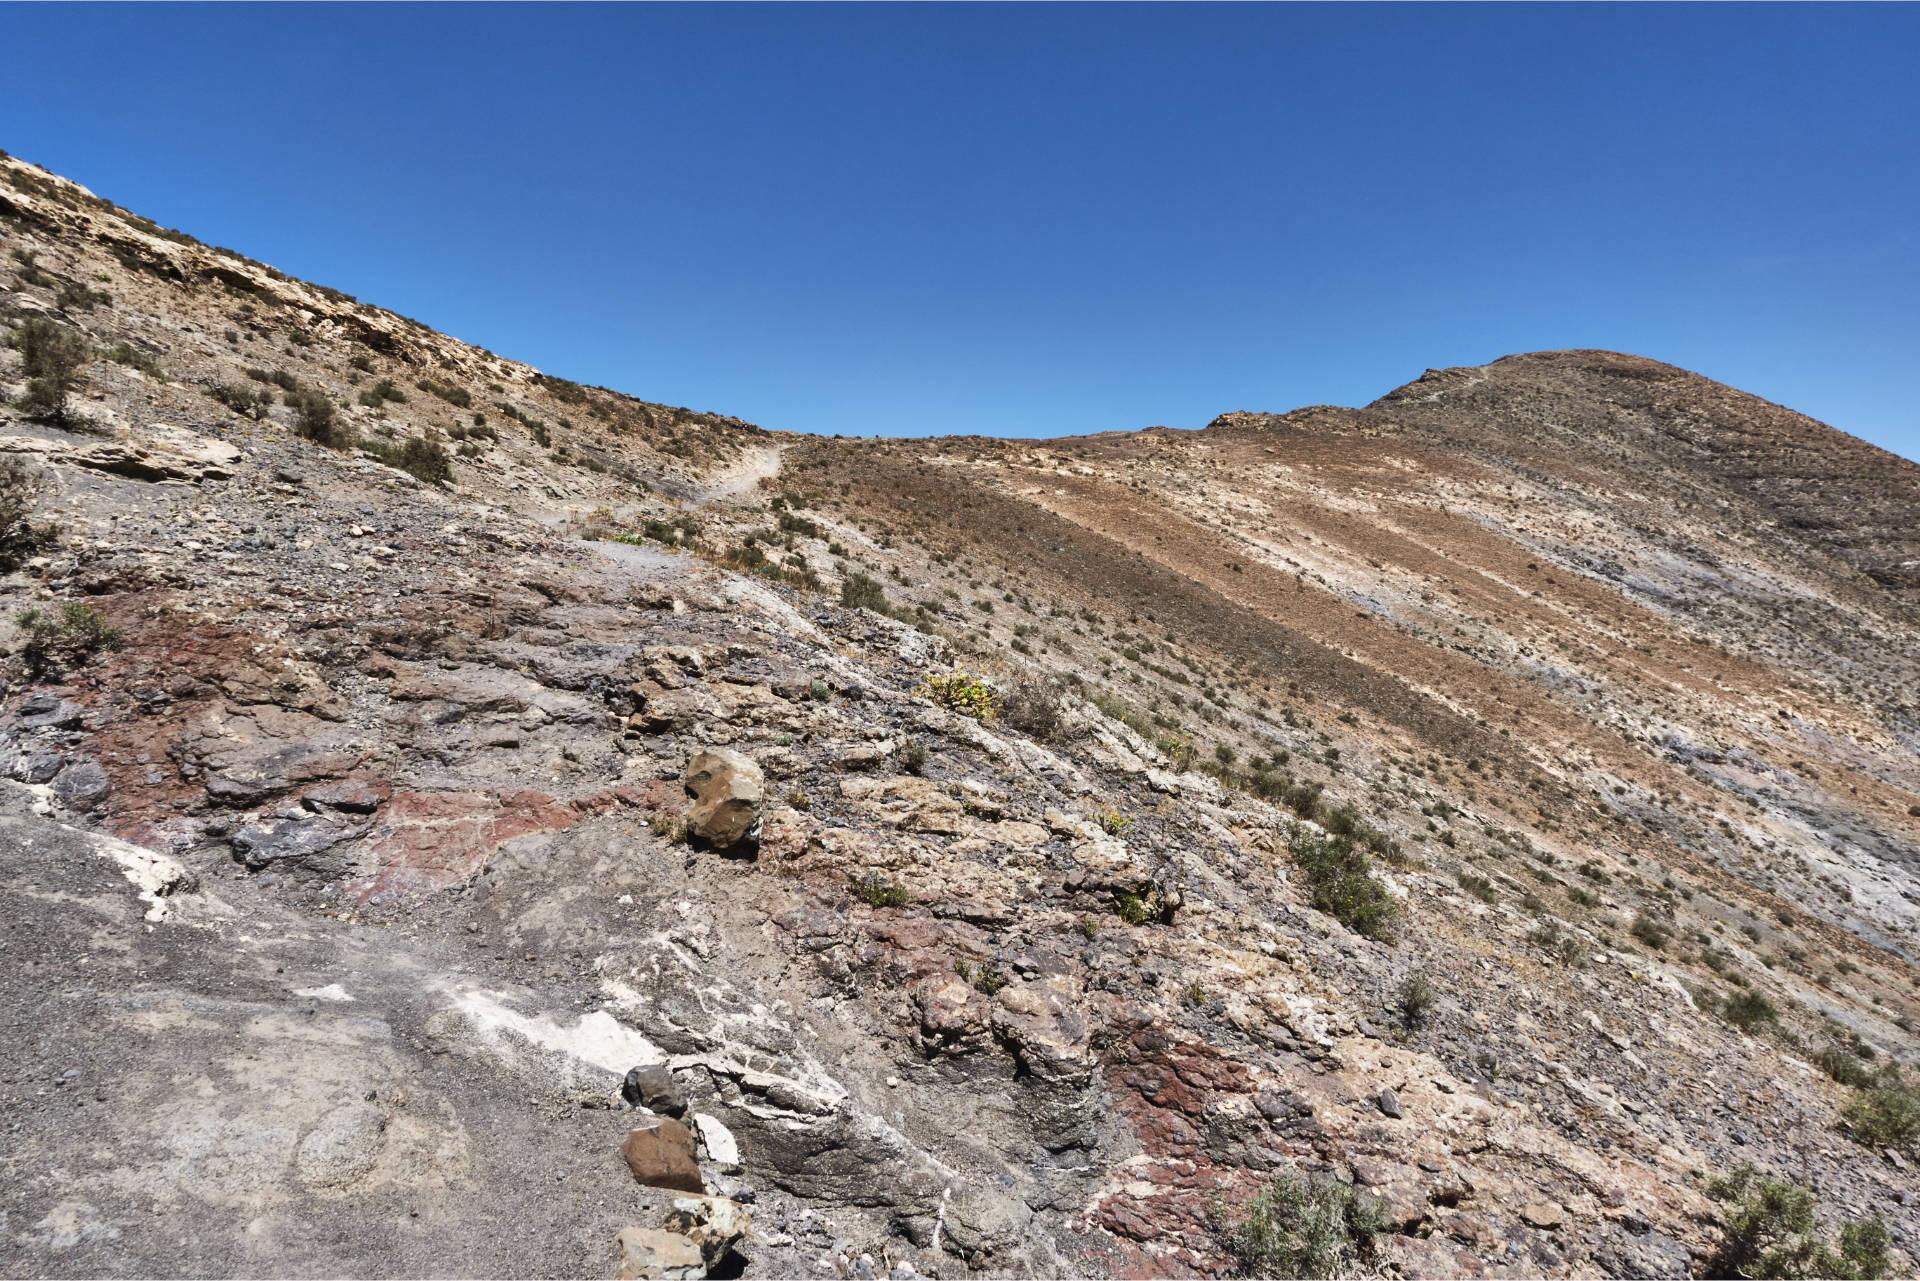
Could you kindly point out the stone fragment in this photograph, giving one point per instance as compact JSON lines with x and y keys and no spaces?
{"x":82,"y":785}
{"x":652,"y":1087}
{"x":43,"y":711}
{"x":290,"y":838}
{"x":721,"y":1147}
{"x":659,"y":1151}
{"x":1543,"y":1214}
{"x":356,"y":793}
{"x":648,"y":1253}
{"x":1390,"y":1103}
{"x":728,"y":789}
{"x":712,"y":1223}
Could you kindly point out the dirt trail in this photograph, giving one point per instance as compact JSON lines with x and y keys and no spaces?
{"x":738,"y":479}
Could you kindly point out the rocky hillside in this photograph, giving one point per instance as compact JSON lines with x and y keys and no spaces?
{"x":457,"y":821}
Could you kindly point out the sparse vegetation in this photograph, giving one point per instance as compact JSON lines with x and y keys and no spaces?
{"x":63,"y":638}
{"x":876,"y":890}
{"x":50,"y":356}
{"x":1415,"y":998}
{"x":1301,"y":1227}
{"x":1886,"y":1111}
{"x":1343,"y":884}
{"x":422,"y":459}
{"x":960,"y":691}
{"x":1032,"y":706}
{"x":21,"y":488}
{"x":1772,"y":1232}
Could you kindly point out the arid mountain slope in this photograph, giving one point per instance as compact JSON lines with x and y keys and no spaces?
{"x":1501,"y":801}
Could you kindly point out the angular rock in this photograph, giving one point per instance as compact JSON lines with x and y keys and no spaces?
{"x":657,"y":1253}
{"x":717,"y":1141}
{"x":652,"y":1087}
{"x":1390,"y":1103}
{"x":356,"y":793}
{"x":82,"y":785}
{"x":1543,"y":1214}
{"x":290,"y":838}
{"x":42,"y":711}
{"x":712,"y":1223}
{"x":659,"y":1152}
{"x":728,"y":789}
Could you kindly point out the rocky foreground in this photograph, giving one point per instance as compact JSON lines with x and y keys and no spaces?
{"x":502,"y":827}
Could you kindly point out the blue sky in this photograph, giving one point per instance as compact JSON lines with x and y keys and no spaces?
{"x":1038,"y":220}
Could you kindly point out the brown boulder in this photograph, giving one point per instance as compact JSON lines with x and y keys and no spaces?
{"x":659,"y":1151}
{"x":728,"y":789}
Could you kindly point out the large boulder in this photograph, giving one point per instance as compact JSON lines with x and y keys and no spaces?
{"x":728,"y":789}
{"x":659,"y":1151}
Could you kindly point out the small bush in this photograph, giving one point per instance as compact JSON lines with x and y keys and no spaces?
{"x":245,"y":401}
{"x":875,"y":890}
{"x":50,"y":357}
{"x":1114,"y":823}
{"x":1886,"y":1113}
{"x":1772,"y":1231}
{"x":75,"y":296}
{"x":1749,"y":1011}
{"x":1650,"y":931}
{"x":1132,"y":909}
{"x":862,"y":592}
{"x":381,"y":392}
{"x":452,"y":395}
{"x":1843,"y":1066}
{"x":1033,"y":708}
{"x":133,"y":358}
{"x":422,"y":459}
{"x":913,"y":756}
{"x":1302,"y":1228}
{"x":1478,"y":886}
{"x":959,"y":691}
{"x":21,"y":488}
{"x":1415,"y":998}
{"x":313,"y":418}
{"x":67,"y":638}
{"x":1343,"y":885}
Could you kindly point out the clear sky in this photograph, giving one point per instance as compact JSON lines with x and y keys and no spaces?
{"x":1038,"y":220}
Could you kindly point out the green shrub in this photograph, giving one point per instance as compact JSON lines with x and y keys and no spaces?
{"x":1843,"y":1066}
{"x":21,"y":487}
{"x":50,"y":356}
{"x":1478,"y":886}
{"x":1749,"y":1011}
{"x":1132,"y":909}
{"x":30,"y":271}
{"x":1299,"y":1227}
{"x":959,"y":691}
{"x":133,"y":358}
{"x":1886,"y":1112}
{"x":381,"y":392}
{"x":875,"y":890}
{"x":244,"y":401}
{"x":66,"y":638}
{"x":1650,"y":931}
{"x":313,"y":418}
{"x":1415,"y":998}
{"x":913,"y":756}
{"x":452,"y":395}
{"x":75,"y":296}
{"x":859,"y":591}
{"x":1343,"y":885}
{"x":1772,"y":1232}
